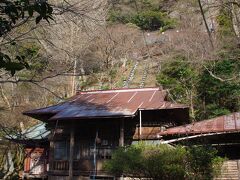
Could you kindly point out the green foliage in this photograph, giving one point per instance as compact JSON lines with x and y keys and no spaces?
{"x":217,"y":165}
{"x":164,"y":162}
{"x":12,"y":65}
{"x":118,"y":163}
{"x":224,"y":20}
{"x":14,"y":14}
{"x":120,"y":83}
{"x":26,"y":59}
{"x":201,"y":162}
{"x":179,"y":77}
{"x":213,"y":110}
{"x":146,"y":14}
{"x":118,"y":16}
{"x":139,"y":5}
{"x":112,"y":73}
{"x":151,"y":20}
{"x":220,"y":97}
{"x":36,"y":63}
{"x":213,"y":90}
{"x":146,"y":20}
{"x":14,"y":11}
{"x":105,"y":87}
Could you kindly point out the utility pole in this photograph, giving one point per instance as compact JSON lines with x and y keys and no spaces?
{"x":74,"y":78}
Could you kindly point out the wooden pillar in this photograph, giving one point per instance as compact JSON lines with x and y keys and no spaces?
{"x":51,"y":156}
{"x":140,"y":124}
{"x":121,"y":139}
{"x":71,"y":153}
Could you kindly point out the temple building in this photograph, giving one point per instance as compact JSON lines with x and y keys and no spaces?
{"x":85,"y":129}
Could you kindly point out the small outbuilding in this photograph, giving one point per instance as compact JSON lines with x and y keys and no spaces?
{"x":223,"y":132}
{"x":36,"y":148}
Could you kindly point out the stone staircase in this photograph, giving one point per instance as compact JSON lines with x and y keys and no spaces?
{"x":131,"y":75}
{"x":144,"y":76}
{"x":138,"y":74}
{"x":230,"y":170}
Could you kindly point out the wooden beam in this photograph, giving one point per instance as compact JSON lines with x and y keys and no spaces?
{"x":71,"y":153}
{"x":121,"y":139}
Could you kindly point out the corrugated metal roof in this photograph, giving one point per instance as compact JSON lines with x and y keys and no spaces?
{"x":108,"y":103}
{"x":227,"y":123}
{"x":36,"y":132}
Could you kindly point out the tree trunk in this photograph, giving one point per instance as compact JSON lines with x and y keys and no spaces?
{"x":235,"y":19}
{"x":206,"y":25}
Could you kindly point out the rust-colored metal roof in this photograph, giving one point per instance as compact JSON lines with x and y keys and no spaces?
{"x":108,"y":103}
{"x":227,"y":123}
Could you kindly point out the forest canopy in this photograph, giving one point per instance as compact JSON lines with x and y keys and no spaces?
{"x":212,"y":90}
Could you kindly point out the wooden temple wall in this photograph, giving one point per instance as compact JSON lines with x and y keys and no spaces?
{"x":78,"y":151}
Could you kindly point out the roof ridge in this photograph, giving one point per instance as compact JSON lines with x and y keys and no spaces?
{"x":121,"y":90}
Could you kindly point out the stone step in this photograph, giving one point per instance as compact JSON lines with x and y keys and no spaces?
{"x":229,"y":165}
{"x":229,"y":171}
{"x":229,"y":168}
{"x":232,"y":168}
{"x":144,"y":76}
{"x":131,"y":75}
{"x":227,"y":178}
{"x":228,"y":175}
{"x":233,"y":173}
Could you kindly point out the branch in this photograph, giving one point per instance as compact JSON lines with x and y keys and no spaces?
{"x":39,"y":80}
{"x":16,"y":38}
{"x":219,"y":78}
{"x":45,"y":88}
{"x":5,"y":99}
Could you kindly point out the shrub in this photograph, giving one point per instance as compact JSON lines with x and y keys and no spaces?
{"x":117,"y":16}
{"x":150,"y":20}
{"x":164,"y":162}
{"x":224,"y":20}
{"x":147,"y":20}
{"x":201,"y":159}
